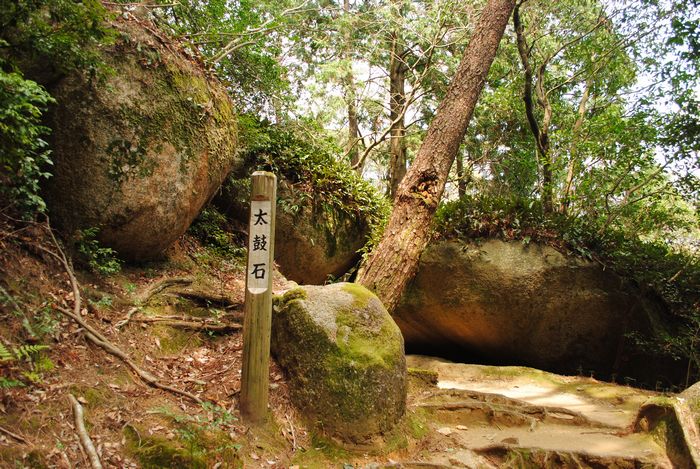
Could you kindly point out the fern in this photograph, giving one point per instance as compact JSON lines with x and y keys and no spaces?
{"x":6,"y":383}
{"x":32,"y":376}
{"x":5,"y":354}
{"x":28,"y":352}
{"x":43,"y":364}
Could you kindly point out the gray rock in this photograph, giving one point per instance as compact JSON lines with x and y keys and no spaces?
{"x":139,"y":153}
{"x":344,"y":357}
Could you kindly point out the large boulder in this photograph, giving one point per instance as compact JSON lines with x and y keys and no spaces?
{"x":313,"y":242}
{"x":344,"y":357}
{"x":139,"y":151}
{"x":508,"y":303}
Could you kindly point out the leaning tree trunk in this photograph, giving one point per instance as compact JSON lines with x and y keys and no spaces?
{"x":395,"y":261}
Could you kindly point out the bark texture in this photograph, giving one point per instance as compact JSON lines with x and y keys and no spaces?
{"x":397,"y":104}
{"x":395,"y":261}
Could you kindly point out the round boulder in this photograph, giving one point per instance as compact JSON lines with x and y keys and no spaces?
{"x":139,"y":151}
{"x":344,"y":357}
{"x":508,"y":303}
{"x":312,"y":242}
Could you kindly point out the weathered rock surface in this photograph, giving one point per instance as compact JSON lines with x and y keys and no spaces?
{"x":344,"y":357}
{"x":498,"y":417}
{"x":138,"y":154}
{"x":311,"y":243}
{"x":508,"y":303}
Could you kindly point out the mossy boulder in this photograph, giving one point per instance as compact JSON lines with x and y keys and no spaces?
{"x":312,"y":241}
{"x":140,"y":150}
{"x":344,"y":357}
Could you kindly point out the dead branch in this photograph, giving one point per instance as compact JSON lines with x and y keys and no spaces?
{"x":13,"y":435}
{"x":291,"y":431}
{"x":95,"y":336}
{"x":85,"y":440}
{"x":98,"y":339}
{"x":126,"y":320}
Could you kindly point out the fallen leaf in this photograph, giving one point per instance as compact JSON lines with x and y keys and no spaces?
{"x":445,"y":431}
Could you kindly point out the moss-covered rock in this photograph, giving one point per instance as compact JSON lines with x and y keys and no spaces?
{"x":344,"y":357}
{"x":326,"y":212}
{"x":138,"y":152}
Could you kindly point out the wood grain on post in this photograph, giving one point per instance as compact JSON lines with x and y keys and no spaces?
{"x":258,"y":298}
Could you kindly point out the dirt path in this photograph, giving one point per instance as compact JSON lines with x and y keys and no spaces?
{"x":484,"y":416}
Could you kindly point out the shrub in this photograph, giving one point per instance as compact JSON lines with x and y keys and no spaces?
{"x":23,"y":152}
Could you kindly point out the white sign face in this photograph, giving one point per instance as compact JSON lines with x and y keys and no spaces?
{"x":259,"y":270}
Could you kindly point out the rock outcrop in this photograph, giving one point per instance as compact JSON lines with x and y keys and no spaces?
{"x":344,"y":358}
{"x":138,"y":153}
{"x":312,"y":243}
{"x":508,"y":303}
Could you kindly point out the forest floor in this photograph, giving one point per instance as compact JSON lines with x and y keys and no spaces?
{"x":166,"y":316}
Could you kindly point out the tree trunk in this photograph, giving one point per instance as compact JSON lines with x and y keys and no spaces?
{"x":395,"y":261}
{"x":540,"y":133}
{"x":397,"y":101}
{"x":461,"y":177}
{"x":573,"y":152}
{"x":351,"y":146}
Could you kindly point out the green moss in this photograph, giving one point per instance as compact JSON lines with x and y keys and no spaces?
{"x":94,"y":395}
{"x":417,"y":423}
{"x":428,"y":377}
{"x":322,"y":454}
{"x":173,"y":341}
{"x":155,"y":452}
{"x":18,"y":457}
{"x":294,"y":294}
{"x":361,"y":295}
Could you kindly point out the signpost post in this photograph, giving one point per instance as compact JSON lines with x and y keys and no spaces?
{"x":258,"y":298}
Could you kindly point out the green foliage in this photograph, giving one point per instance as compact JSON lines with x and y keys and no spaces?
{"x":314,"y":169}
{"x":236,"y":40}
{"x":213,"y":231}
{"x":62,"y":33}
{"x":20,"y":357}
{"x":101,"y":260}
{"x":44,"y":38}
{"x":24,"y":155}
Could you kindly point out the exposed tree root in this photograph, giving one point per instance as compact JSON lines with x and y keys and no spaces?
{"x":185,"y":287}
{"x":85,"y":440}
{"x":128,"y":317}
{"x":13,"y":435}
{"x":522,"y":409}
{"x":182,"y":323}
{"x":95,"y":336}
{"x":418,"y":464}
{"x":162,"y":285}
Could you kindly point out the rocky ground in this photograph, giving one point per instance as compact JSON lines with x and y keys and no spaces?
{"x":178,"y":319}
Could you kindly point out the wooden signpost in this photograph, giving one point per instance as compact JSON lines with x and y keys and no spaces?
{"x":258,"y":298}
